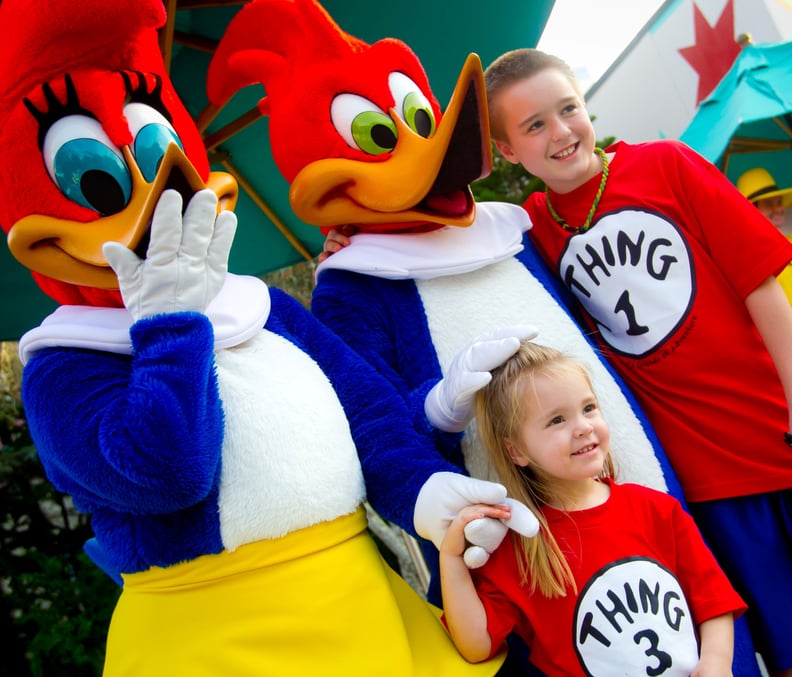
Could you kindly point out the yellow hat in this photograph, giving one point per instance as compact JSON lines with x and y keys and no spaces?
{"x":758,"y":184}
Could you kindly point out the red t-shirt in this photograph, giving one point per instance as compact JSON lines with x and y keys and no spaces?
{"x":645,"y":578}
{"x":661,"y":277}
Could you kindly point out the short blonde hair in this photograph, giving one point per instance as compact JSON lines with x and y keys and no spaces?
{"x":500,"y":412}
{"x":512,"y":67}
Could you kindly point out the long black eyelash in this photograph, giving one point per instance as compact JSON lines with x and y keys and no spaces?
{"x":140,"y":93}
{"x":55,"y":109}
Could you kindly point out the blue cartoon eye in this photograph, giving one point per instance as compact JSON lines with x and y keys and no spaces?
{"x":86,"y":166}
{"x":152,"y":135}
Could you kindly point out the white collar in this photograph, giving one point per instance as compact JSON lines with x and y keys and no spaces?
{"x":237,"y":313}
{"x":496,"y":234}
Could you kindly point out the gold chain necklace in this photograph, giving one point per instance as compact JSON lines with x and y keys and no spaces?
{"x":595,"y":204}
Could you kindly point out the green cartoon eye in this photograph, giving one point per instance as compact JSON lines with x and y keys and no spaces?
{"x":363,"y":125}
{"x":412,"y":105}
{"x":418,"y":115}
{"x":374,"y":133}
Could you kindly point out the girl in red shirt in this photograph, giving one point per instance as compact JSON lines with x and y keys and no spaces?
{"x":618,"y":577}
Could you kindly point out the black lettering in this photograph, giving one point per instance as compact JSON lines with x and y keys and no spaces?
{"x":679,"y":614}
{"x":666,"y":260}
{"x":628,"y":251}
{"x":624,"y":305}
{"x":650,"y":599}
{"x":663,"y":659}
{"x":587,"y":630}
{"x":618,"y":608}
{"x":571,"y":282}
{"x":624,"y":246}
{"x":630,"y":597}
{"x":607,"y":251}
{"x":591,"y":266}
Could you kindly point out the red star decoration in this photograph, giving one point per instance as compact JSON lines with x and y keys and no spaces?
{"x":715,"y":49}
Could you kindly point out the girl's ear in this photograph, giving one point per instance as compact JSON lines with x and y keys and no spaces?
{"x":516,"y":455}
{"x":506,"y":150}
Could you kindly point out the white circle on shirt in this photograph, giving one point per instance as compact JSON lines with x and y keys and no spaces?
{"x":634,"y":275}
{"x":632,"y":618}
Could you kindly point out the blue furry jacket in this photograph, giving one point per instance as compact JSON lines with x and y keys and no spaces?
{"x":196,"y":438}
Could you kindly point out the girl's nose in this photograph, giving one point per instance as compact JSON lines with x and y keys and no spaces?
{"x":583,"y":429}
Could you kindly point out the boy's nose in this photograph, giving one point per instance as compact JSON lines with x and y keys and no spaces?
{"x":559,"y":130}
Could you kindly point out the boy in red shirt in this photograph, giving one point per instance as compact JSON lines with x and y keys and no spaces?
{"x":675,"y":274}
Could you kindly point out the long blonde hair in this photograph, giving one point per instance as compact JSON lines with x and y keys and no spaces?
{"x":500,"y":412}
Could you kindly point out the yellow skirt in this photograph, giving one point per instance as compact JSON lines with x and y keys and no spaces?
{"x":320,"y":601}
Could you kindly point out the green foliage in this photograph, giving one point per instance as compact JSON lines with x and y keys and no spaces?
{"x":55,"y":604}
{"x":296,"y":280}
{"x":506,"y":182}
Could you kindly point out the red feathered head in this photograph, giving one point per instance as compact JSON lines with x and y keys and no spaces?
{"x":91,"y":132}
{"x":355,"y":128}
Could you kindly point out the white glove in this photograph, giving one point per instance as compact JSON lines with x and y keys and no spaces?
{"x":187,"y":257}
{"x":487,"y":533}
{"x":449,"y":404}
{"x":444,"y":494}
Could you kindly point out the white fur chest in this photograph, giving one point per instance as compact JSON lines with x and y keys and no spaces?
{"x":288,"y":456}
{"x":460,"y":307}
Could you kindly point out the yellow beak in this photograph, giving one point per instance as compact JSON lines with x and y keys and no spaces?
{"x":424,"y":180}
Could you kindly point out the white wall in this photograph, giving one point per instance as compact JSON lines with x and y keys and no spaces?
{"x":650,"y":92}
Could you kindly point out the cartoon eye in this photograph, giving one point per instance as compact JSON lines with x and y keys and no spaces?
{"x":86,"y":166}
{"x":363,"y":125}
{"x":412,"y":105}
{"x":152,"y":135}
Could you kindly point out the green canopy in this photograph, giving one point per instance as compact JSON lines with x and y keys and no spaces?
{"x":747,"y":120}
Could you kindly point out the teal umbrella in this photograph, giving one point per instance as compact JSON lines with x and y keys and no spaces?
{"x":747,"y":120}
{"x":269,"y":236}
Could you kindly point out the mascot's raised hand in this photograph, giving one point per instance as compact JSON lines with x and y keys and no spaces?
{"x":187,"y":258}
{"x":444,"y":494}
{"x":450,"y":406}
{"x":450,"y":403}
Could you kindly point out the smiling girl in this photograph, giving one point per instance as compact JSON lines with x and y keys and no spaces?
{"x":618,"y":577}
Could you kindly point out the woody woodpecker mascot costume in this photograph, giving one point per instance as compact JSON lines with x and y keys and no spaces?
{"x":210,"y":425}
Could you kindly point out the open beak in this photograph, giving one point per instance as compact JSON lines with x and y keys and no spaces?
{"x":423,"y":181}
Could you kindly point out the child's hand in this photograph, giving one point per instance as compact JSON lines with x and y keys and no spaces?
{"x":712,"y":668}
{"x":485,"y":535}
{"x":454,"y":542}
{"x":717,"y":647}
{"x":336,"y":240}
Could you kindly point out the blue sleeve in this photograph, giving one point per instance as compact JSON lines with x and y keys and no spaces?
{"x":384,"y":322}
{"x":139,"y":434}
{"x":395,"y":459}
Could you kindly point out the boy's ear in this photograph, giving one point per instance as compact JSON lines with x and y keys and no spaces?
{"x":506,"y":150}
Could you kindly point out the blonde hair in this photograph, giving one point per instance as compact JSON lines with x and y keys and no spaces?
{"x":500,"y":412}
{"x":514,"y":66}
